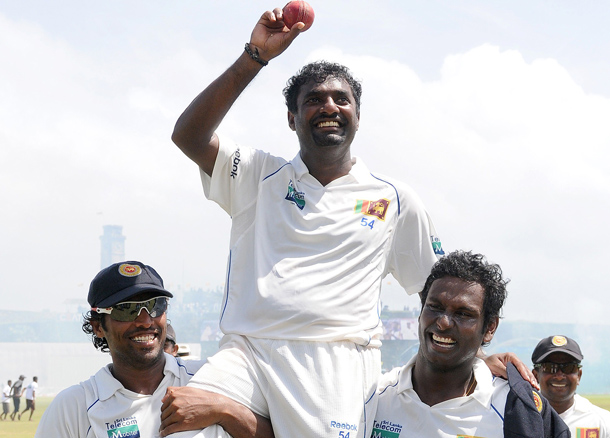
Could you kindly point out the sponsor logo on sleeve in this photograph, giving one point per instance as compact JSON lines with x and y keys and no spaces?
{"x":123,"y":428}
{"x":377,"y":208}
{"x":437,"y":246}
{"x":294,"y":196}
{"x":236,"y":160}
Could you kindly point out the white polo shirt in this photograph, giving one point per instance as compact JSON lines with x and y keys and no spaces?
{"x":101,"y":407}
{"x":30,"y":390}
{"x":586,"y":420}
{"x":306,"y":261}
{"x":401,"y":414}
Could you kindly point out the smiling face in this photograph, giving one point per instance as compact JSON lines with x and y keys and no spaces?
{"x":137,"y":344}
{"x":451,"y":327}
{"x":327,"y":114}
{"x":558,"y":388}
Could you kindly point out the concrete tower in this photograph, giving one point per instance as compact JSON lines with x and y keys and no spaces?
{"x":113,"y":245}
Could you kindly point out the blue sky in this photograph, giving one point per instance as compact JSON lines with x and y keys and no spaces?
{"x":495,"y":112}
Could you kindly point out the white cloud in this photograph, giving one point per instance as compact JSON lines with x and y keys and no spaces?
{"x":510,"y":156}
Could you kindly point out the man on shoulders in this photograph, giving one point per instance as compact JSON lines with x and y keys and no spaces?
{"x":557,"y":366}
{"x":312,"y":239}
{"x":128,"y":319}
{"x":445,"y":390}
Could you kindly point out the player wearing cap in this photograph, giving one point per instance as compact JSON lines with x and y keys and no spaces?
{"x":170,"y":346}
{"x":557,"y":366}
{"x":128,"y":320}
{"x":17,"y":392}
{"x":311,"y":240}
{"x":445,"y":391}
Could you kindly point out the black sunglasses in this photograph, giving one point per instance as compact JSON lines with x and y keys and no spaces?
{"x":128,"y":311}
{"x":552,"y":368}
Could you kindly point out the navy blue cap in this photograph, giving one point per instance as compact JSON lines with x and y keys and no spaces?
{"x":123,"y":280}
{"x":556,"y":344}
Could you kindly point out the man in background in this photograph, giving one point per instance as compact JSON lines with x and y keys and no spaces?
{"x":17,"y":392}
{"x":557,"y":366}
{"x":6,"y":398}
{"x":170,"y":346}
{"x":128,"y":319}
{"x":30,"y":397}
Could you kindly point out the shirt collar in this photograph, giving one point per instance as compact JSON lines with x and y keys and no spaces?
{"x":107,"y":385}
{"x":359,"y":172}
{"x":482,"y":392}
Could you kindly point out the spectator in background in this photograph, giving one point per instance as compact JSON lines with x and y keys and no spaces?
{"x":6,"y":398}
{"x":30,"y":397}
{"x":558,"y":369}
{"x":170,"y":346}
{"x":17,"y":392}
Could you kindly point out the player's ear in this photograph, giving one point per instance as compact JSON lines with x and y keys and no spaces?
{"x":291,"y":121}
{"x":535,"y":373}
{"x":98,"y":330}
{"x":492,"y":326}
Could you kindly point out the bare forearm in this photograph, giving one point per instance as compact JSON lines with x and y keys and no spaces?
{"x":241,"y":422}
{"x":194,"y":130}
{"x":186,"y":408}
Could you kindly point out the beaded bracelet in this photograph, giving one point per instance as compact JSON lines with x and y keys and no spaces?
{"x":254,"y":55}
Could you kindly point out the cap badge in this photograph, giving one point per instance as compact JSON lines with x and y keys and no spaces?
{"x":128,"y":270}
{"x":537,"y":401}
{"x":559,"y":341}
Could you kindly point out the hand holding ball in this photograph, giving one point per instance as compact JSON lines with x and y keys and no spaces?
{"x":296,"y":11}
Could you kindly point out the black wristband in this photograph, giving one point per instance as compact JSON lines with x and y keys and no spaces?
{"x":254,"y":55}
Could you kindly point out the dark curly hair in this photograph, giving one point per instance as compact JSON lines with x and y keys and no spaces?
{"x":472,"y":267}
{"x":98,"y":343}
{"x":319,"y":71}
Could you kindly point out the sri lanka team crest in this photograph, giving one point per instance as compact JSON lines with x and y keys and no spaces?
{"x":559,"y":341}
{"x":587,"y":432}
{"x":294,"y":196}
{"x":128,"y":270}
{"x":537,"y":401}
{"x":372,"y":208}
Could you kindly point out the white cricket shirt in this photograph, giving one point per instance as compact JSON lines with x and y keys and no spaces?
{"x":401,"y":414}
{"x":586,"y":420}
{"x":306,"y":261}
{"x":101,"y":407}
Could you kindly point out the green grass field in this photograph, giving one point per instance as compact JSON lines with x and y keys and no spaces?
{"x":24,"y":428}
{"x":27,"y":429}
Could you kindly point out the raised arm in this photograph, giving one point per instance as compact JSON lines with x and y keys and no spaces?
{"x":194,"y":132}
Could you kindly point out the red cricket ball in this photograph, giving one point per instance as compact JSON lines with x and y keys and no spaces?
{"x":296,"y":11}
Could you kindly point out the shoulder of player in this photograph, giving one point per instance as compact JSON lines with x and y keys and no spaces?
{"x":584,"y":404}
{"x":184,"y":369}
